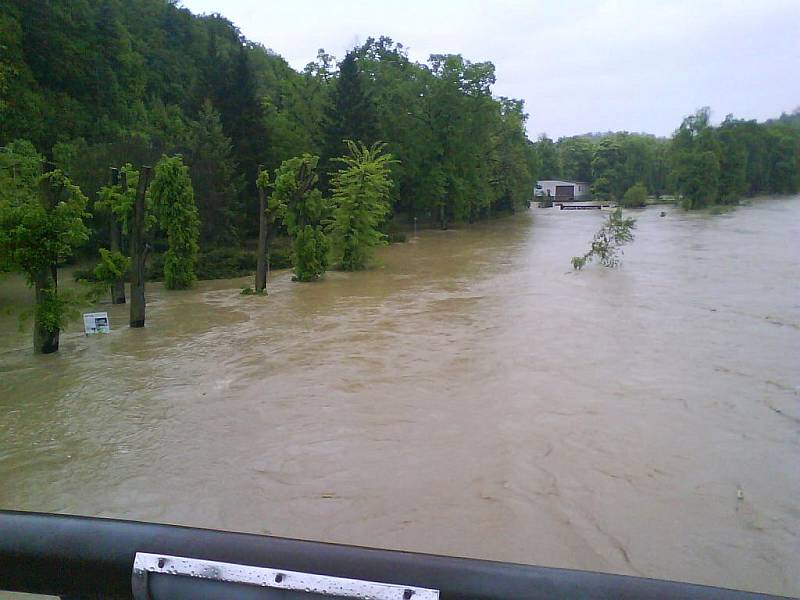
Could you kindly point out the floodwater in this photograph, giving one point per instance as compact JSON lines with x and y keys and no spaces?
{"x":470,"y":396}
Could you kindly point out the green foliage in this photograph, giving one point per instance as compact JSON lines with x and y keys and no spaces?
{"x":41,"y":226}
{"x":262,"y":180}
{"x":310,"y":250}
{"x":695,"y":161}
{"x":226,"y":263}
{"x":214,"y":178}
{"x":119,"y":201}
{"x":548,"y":160}
{"x":102,"y":83}
{"x":112,"y":267}
{"x":173,"y":205}
{"x":608,"y":170}
{"x":360,"y":204}
{"x":55,"y":309}
{"x":248,"y":291}
{"x":222,"y":263}
{"x":296,"y":198}
{"x":275,"y":203}
{"x":34,"y":237}
{"x":635,"y":196}
{"x":608,"y":241}
{"x":575,"y":158}
{"x":351,"y":114}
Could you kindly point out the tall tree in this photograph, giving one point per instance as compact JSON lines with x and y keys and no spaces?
{"x":351,"y":114}
{"x":549,"y":165}
{"x":295,"y":188}
{"x":270,"y":208}
{"x":214,"y":177}
{"x":243,"y":123}
{"x":173,"y":206}
{"x":695,"y":161}
{"x":139,"y":250}
{"x":608,"y":170}
{"x":360,"y":203}
{"x":41,"y":226}
{"x":575,"y":157}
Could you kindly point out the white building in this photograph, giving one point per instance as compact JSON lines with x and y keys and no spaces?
{"x":562,"y":191}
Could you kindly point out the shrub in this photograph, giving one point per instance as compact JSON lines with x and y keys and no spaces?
{"x":635,"y":197}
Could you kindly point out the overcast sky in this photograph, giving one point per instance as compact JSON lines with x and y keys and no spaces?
{"x":580,"y":66}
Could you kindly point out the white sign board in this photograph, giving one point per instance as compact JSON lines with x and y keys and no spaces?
{"x":96,"y":323}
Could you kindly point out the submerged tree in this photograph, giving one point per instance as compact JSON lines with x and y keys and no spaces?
{"x":635,"y":196}
{"x":139,"y":250}
{"x":174,"y":208}
{"x":608,"y":241}
{"x":361,"y":203}
{"x":295,"y":188}
{"x":41,"y":226}
{"x":116,"y":201}
{"x":270,"y":208}
{"x":695,"y":161}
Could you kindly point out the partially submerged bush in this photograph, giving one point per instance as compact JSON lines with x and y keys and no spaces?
{"x":608,"y":241}
{"x":635,"y":197}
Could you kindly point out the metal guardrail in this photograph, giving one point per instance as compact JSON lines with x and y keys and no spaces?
{"x":84,"y":557}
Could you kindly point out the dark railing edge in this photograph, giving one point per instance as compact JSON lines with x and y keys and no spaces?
{"x":71,"y":555}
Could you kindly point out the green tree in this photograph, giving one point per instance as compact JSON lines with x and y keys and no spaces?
{"x":512,"y":177}
{"x":784,"y":159}
{"x":351,"y":114}
{"x":360,"y":204}
{"x":243,"y":116}
{"x":270,"y":209}
{"x":41,"y":226}
{"x":295,"y":189}
{"x":549,"y":165}
{"x":695,"y":161}
{"x":635,"y":196}
{"x":117,"y":198}
{"x":732,"y":162}
{"x":575,"y":157}
{"x":113,"y":266}
{"x":214,"y":178}
{"x":608,"y":170}
{"x":172,"y":201}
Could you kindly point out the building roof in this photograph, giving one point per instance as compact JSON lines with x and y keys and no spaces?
{"x":560,"y":182}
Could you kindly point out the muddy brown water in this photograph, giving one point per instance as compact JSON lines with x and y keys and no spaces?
{"x":470,"y":396}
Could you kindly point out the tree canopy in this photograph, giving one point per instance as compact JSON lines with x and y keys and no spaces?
{"x":360,"y":203}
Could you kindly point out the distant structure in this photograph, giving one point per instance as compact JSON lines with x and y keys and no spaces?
{"x":562,"y":191}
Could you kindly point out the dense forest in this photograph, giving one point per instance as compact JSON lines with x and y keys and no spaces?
{"x":94,"y":84}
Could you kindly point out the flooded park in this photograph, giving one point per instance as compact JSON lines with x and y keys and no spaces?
{"x":471,"y":395}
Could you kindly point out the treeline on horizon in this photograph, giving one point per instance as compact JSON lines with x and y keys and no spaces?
{"x":98,"y":84}
{"x":702,"y":164}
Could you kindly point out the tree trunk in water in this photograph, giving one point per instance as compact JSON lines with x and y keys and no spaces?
{"x":261,"y":265}
{"x":45,"y":341}
{"x":115,"y":238}
{"x":138,"y":252}
{"x":118,"y":286}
